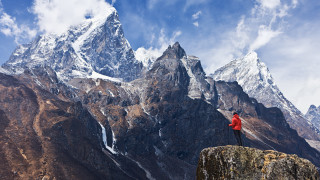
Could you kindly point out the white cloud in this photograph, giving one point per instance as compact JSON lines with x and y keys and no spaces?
{"x":265,"y":34}
{"x":240,"y":39}
{"x":164,"y":41}
{"x":9,"y":27}
{"x":113,"y":2}
{"x":196,"y":15}
{"x":56,"y":16}
{"x":295,"y":3}
{"x":162,"y":44}
{"x":254,"y":30}
{"x":271,"y":4}
{"x":293,"y":61}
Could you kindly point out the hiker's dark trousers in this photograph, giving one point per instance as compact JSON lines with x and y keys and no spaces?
{"x":237,"y":134}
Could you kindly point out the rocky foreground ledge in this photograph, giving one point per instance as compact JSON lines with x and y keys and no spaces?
{"x":234,"y":162}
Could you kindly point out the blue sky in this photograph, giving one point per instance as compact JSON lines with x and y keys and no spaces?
{"x":284,"y":33}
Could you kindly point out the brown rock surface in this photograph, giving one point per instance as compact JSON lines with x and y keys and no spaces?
{"x":235,"y":162}
{"x":43,"y":137}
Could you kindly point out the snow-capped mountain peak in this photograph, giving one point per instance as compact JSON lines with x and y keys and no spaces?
{"x":248,"y":71}
{"x":256,"y":80}
{"x":97,"y":45}
{"x":313,"y":115}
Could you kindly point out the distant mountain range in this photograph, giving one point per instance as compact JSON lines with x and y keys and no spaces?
{"x":81,"y":106}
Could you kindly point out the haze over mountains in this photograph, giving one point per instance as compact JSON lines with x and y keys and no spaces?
{"x":81,"y":106}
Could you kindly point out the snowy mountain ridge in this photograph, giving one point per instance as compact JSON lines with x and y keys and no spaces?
{"x":253,"y":75}
{"x":313,"y":115}
{"x":97,"y":46}
{"x":257,"y":81}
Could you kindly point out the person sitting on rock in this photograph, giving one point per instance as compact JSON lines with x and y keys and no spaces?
{"x":236,"y":126}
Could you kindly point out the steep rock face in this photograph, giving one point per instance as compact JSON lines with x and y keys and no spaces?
{"x":313,"y":115}
{"x":234,"y":162}
{"x":256,"y":80}
{"x":45,"y":137}
{"x":154,"y":120}
{"x":96,"y":46}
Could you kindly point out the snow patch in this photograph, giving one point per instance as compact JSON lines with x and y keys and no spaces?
{"x":96,"y":75}
{"x":158,"y":152}
{"x":104,"y":138}
{"x":195,"y":88}
{"x":148,"y":174}
{"x":4,"y":71}
{"x":110,"y":92}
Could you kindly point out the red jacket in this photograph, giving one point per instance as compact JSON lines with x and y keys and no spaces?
{"x":236,"y":122}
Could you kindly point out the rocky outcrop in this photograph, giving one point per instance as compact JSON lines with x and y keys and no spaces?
{"x":235,"y":162}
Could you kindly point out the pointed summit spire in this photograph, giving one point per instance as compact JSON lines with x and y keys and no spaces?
{"x":252,"y":54}
{"x":173,"y":52}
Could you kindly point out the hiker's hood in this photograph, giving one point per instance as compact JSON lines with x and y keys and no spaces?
{"x":236,"y":116}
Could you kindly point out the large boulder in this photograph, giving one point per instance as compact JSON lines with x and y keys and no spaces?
{"x":236,"y":162}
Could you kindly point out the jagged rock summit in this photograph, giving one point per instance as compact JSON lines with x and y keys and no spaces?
{"x":95,"y":48}
{"x":174,"y":52}
{"x":236,"y":162}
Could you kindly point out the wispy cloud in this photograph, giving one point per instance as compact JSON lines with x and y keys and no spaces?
{"x":196,"y":15}
{"x":253,"y":31}
{"x":293,"y":60}
{"x":265,"y":22}
{"x":265,"y":34}
{"x":9,"y":27}
{"x":162,"y":43}
{"x":270,"y":4}
{"x":56,"y":16}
